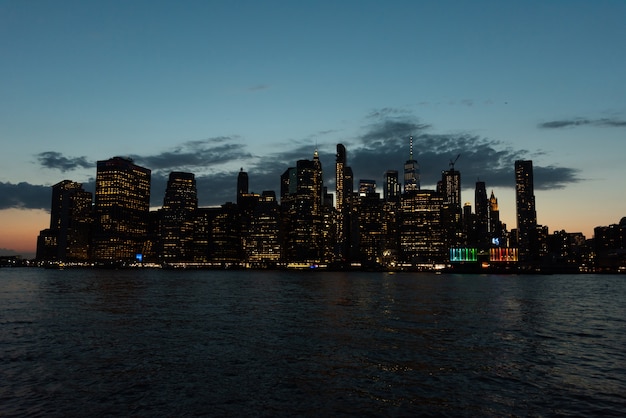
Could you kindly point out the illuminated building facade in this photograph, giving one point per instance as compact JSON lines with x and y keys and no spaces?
{"x":450,"y":189}
{"x":122,"y":204}
{"x":177,"y":217}
{"x":422,"y":236}
{"x":261,"y":242}
{"x":344,"y":186}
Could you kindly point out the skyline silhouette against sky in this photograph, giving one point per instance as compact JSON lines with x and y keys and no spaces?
{"x":210,"y":87}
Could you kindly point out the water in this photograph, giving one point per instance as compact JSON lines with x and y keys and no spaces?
{"x":252,"y":343}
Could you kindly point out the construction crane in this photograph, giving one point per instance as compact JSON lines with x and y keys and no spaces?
{"x":454,"y":162}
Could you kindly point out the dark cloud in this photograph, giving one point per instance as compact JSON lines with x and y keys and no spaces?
{"x":195,"y":155}
{"x":383,"y":144}
{"x":567,"y":123}
{"x":25,"y":196}
{"x":55,"y":160}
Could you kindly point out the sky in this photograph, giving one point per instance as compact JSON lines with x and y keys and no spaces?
{"x":210,"y":87}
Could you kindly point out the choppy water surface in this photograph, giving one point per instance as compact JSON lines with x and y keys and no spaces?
{"x":170,"y":343}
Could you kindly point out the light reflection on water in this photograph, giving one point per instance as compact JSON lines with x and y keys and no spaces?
{"x":151,"y":342}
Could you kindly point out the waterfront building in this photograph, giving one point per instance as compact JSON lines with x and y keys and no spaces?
{"x":225,"y":246}
{"x":525,"y":211}
{"x":301,"y":212}
{"x":122,"y":204}
{"x":450,"y":189}
{"x":68,"y":237}
{"x":261,"y":241}
{"x":422,"y":236}
{"x":370,"y":218}
{"x":496,"y":229}
{"x":344,"y":187}
{"x":177,"y":217}
{"x":481,"y":207}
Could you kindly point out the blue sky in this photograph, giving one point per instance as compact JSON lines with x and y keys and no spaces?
{"x":212,"y":86}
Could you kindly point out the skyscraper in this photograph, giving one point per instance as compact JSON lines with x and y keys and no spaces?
{"x":122,"y":204}
{"x":411,"y":171}
{"x":242,"y":185}
{"x":177,"y":217}
{"x":481,"y":205}
{"x":344,"y":183}
{"x":340,"y":164}
{"x":301,"y":208}
{"x":450,"y":189}
{"x":526,"y":212}
{"x":495,"y":226}
{"x":70,"y":220}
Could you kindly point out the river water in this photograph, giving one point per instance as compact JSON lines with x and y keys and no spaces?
{"x":265,"y":343}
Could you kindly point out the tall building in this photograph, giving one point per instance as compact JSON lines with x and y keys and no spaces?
{"x":344,"y":187}
{"x":262,"y":245}
{"x":67,"y":239}
{"x":391,"y":186}
{"x":495,"y":225}
{"x":526,"y":212}
{"x":450,"y":189}
{"x":177,"y":217}
{"x":411,"y":171}
{"x":340,"y":186}
{"x":302,"y":215}
{"x":481,"y":205}
{"x":242,"y":185}
{"x":422,"y":236}
{"x":122,"y":204}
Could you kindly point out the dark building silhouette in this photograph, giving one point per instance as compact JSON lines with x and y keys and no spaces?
{"x":122,"y":204}
{"x":301,"y":212}
{"x":496,"y":228}
{"x":481,"y":207}
{"x":391,"y":186}
{"x":609,"y":245}
{"x":526,"y":212}
{"x":68,"y":237}
{"x":242,"y":185}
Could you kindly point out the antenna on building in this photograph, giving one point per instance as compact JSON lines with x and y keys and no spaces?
{"x":410,"y":147}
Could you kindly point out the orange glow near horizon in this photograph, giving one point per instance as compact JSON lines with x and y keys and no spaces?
{"x":19,"y":229}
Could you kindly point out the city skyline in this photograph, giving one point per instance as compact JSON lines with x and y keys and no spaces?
{"x":210,"y":88}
